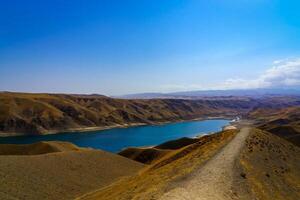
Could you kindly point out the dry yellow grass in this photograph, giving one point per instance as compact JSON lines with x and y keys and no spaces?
{"x":37,"y":148}
{"x":266,"y":167}
{"x":283,"y":122}
{"x":150,"y":155}
{"x":144,"y":155}
{"x":271,"y":167}
{"x":53,"y":170}
{"x":154,"y":180}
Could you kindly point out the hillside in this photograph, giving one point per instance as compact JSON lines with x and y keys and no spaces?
{"x":270,"y":167}
{"x":151,"y":154}
{"x":246,"y":164}
{"x":284,"y":122}
{"x":255,"y":93}
{"x":251,"y":164}
{"x":45,"y":113}
{"x":25,"y":113}
{"x":153,"y":181}
{"x":58,"y":170}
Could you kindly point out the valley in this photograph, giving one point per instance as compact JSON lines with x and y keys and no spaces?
{"x":26,"y":113}
{"x":250,"y":159}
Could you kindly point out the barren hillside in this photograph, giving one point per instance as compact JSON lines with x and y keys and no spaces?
{"x":251,"y":164}
{"x":58,"y":170}
{"x":25,"y":113}
{"x":284,"y":122}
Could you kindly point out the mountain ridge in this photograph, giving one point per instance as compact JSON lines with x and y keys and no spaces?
{"x":214,"y":93}
{"x":26,"y":113}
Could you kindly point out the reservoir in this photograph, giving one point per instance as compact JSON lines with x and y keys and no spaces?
{"x":116,"y":139}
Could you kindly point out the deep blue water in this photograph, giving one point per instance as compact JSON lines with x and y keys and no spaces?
{"x":116,"y":139}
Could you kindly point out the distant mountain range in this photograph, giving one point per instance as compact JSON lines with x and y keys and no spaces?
{"x":213,"y":93}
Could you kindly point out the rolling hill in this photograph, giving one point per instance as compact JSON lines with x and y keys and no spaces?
{"x":22,"y":113}
{"x":250,"y":164}
{"x":283,"y":122}
{"x":58,"y":170}
{"x":254,"y":93}
{"x":25,"y":113}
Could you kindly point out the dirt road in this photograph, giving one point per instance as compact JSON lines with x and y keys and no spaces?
{"x":214,"y":180}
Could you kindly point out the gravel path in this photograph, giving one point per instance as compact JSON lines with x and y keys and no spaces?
{"x":214,"y":180}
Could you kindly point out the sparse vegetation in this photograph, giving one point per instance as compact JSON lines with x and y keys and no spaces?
{"x":283,"y":122}
{"x":155,"y":179}
{"x":58,"y":170}
{"x":25,"y":113}
{"x":272,"y":166}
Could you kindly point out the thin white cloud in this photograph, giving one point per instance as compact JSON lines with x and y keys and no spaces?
{"x":178,"y":87}
{"x":241,"y":84}
{"x":283,"y":73}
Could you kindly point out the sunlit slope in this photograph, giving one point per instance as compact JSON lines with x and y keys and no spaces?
{"x":284,"y":122}
{"x":45,"y":113}
{"x":270,"y":167}
{"x":264,"y":166}
{"x":58,"y":170}
{"x":149,"y":155}
{"x":164,"y":171}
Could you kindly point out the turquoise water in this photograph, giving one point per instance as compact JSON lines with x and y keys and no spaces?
{"x":116,"y":139}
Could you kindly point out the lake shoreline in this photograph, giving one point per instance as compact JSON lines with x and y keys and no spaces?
{"x":115,"y":139}
{"x":100,"y":128}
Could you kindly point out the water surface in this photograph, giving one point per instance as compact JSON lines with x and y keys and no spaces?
{"x":116,"y":139}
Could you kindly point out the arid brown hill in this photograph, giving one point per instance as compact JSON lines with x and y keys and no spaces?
{"x":270,"y":167}
{"x":58,"y":170}
{"x":152,"y":181}
{"x":24,"y":113}
{"x":251,"y":164}
{"x":284,"y":122}
{"x":149,"y":155}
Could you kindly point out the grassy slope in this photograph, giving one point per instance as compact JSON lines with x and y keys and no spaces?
{"x":271,"y":167}
{"x":284,"y":122}
{"x":56,"y":170}
{"x":144,"y":155}
{"x":155,"y":179}
{"x":37,"y":148}
{"x":152,"y":154}
{"x":268,"y":167}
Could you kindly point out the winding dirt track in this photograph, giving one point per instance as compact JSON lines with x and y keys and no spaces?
{"x":214,"y":180}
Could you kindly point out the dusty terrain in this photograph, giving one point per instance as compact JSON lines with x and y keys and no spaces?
{"x":50,"y":113}
{"x":152,"y":154}
{"x":254,"y":165}
{"x":214,"y":180}
{"x":251,"y":164}
{"x":247,"y":164}
{"x":271,"y":167}
{"x":25,"y":113}
{"x":57,"y":170}
{"x":153,"y":181}
{"x":234,"y":164}
{"x":283,"y":122}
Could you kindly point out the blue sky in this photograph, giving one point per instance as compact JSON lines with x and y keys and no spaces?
{"x":118,"y":47}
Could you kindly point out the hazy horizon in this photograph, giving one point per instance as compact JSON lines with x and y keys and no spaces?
{"x":118,"y":47}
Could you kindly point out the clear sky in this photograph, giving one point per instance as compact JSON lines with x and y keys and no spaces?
{"x":129,"y":46}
